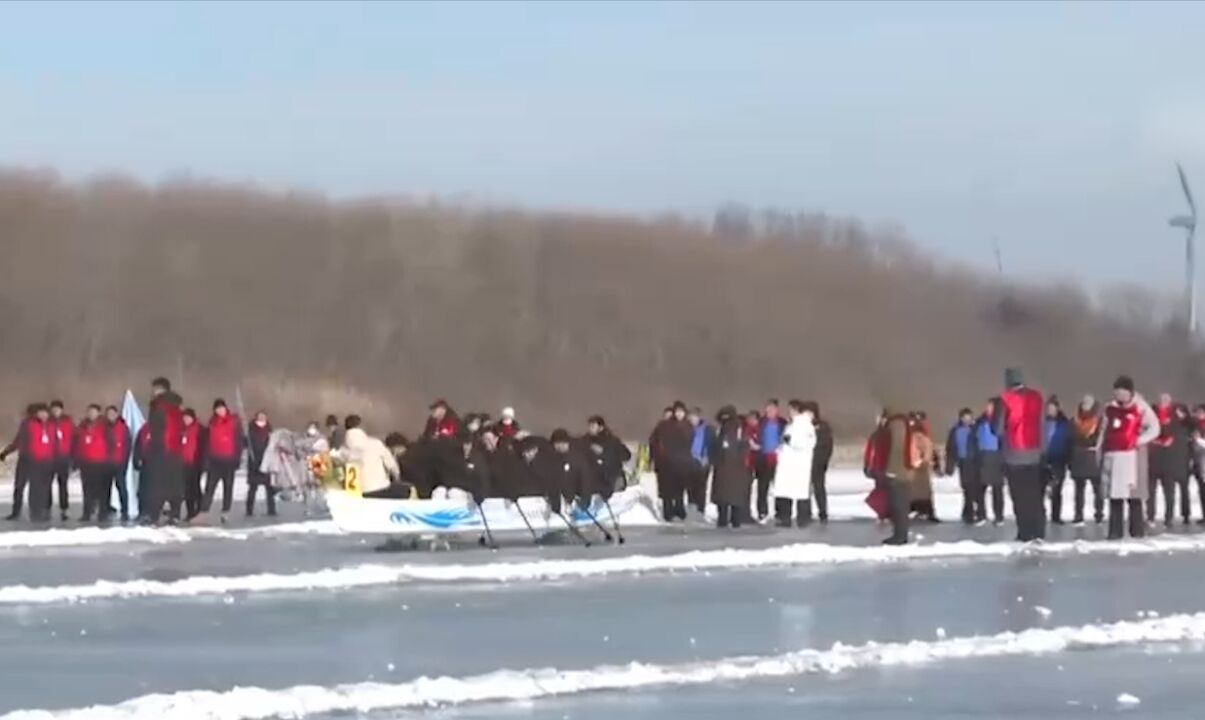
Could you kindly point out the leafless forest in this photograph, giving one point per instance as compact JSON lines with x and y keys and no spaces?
{"x":317,"y":306}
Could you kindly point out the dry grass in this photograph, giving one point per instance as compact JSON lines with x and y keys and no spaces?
{"x":377,"y":308}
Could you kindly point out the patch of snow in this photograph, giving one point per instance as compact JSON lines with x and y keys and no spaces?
{"x":254,"y":703}
{"x":814,"y":554}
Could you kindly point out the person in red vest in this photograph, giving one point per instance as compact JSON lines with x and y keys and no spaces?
{"x":1198,"y":456}
{"x":91,"y":456}
{"x":193,"y":453}
{"x":1130,"y":425}
{"x":120,"y":447}
{"x":63,"y":429}
{"x":1159,"y":461}
{"x":223,"y":452}
{"x":163,"y":460}
{"x":1019,"y":424}
{"x":35,"y":442}
{"x":443,"y":423}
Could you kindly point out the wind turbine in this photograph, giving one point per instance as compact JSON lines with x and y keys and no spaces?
{"x":1189,"y":223}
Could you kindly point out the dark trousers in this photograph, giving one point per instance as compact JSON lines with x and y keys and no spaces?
{"x":764,"y":468}
{"x":20,"y":483}
{"x":95,"y":480}
{"x":1025,"y":486}
{"x":998,"y":502}
{"x":220,"y":472}
{"x":820,"y":492}
{"x":1158,"y":478}
{"x":62,"y":473}
{"x":1200,"y":494}
{"x":696,"y":487}
{"x":899,"y":495}
{"x":165,"y":488}
{"x":729,"y":515}
{"x":802,"y":509}
{"x":1054,"y":475}
{"x":1117,"y":519}
{"x":972,"y":493}
{"x":192,"y":490}
{"x":41,"y":475}
{"x":256,"y":480}
{"x":1098,"y":500}
{"x":117,"y":478}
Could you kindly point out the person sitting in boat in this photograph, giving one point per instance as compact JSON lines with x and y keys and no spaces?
{"x":468,"y":474}
{"x":574,"y":476}
{"x":507,"y":469}
{"x":543,"y":471}
{"x":380,"y":476}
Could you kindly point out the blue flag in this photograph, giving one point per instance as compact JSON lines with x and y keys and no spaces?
{"x":132,"y":414}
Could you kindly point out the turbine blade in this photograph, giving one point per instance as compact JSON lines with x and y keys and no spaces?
{"x":1192,"y":205}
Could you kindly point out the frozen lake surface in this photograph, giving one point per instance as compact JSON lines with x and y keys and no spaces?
{"x":756,"y":624}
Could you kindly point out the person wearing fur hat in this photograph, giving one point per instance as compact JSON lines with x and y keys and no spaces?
{"x":1130,"y":425}
{"x":1086,"y":428}
{"x":732,"y":479}
{"x":673,"y":462}
{"x":507,"y":426}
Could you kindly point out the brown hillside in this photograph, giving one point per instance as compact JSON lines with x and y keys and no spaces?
{"x":378,"y":307}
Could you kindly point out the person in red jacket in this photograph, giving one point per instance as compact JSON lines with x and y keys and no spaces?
{"x":193,"y":453}
{"x":91,"y":456}
{"x":63,"y":429}
{"x":36,"y":442}
{"x":163,"y":461}
{"x":223,"y":453}
{"x":1019,"y":425}
{"x":120,"y":448}
{"x":443,"y":424}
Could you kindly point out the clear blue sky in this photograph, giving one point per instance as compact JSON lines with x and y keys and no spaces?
{"x":1055,"y":126}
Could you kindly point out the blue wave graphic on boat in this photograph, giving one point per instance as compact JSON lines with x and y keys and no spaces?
{"x":442,"y":519}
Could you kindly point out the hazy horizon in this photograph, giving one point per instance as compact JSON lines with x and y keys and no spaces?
{"x":1055,"y":127}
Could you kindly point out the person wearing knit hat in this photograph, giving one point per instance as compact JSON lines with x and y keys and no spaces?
{"x":1130,"y":425}
{"x":1019,"y":424}
{"x":507,"y":426}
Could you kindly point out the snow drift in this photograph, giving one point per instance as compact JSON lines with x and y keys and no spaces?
{"x":253,"y":703}
{"x":543,"y":570}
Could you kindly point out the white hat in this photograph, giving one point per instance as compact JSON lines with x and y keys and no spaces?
{"x":508,"y":413}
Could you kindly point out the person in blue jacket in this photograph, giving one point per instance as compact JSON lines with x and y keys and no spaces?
{"x":701,"y":441}
{"x":990,"y":464}
{"x":1058,"y":454}
{"x":961,"y":456}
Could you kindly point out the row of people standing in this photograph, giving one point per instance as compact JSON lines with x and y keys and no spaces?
{"x":742,"y":457}
{"x":1123,"y":452}
{"x":173,"y":452}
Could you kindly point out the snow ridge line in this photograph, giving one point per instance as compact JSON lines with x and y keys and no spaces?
{"x":62,"y":537}
{"x":253,"y":703}
{"x":368,"y":575}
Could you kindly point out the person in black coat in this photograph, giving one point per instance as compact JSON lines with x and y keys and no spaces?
{"x":615,"y":454}
{"x":508,"y":472}
{"x":575,"y":480}
{"x":673,"y":462}
{"x":258,"y":435}
{"x":1178,"y":458}
{"x":544,"y":471}
{"x":822,"y":456}
{"x":469,"y":469}
{"x":961,"y":456}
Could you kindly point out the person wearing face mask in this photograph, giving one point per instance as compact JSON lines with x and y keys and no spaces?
{"x":793,"y":475}
{"x":1130,"y":426}
{"x":258,"y":436}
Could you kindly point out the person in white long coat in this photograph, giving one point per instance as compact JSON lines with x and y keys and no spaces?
{"x":793,"y":481}
{"x":377,"y":466}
